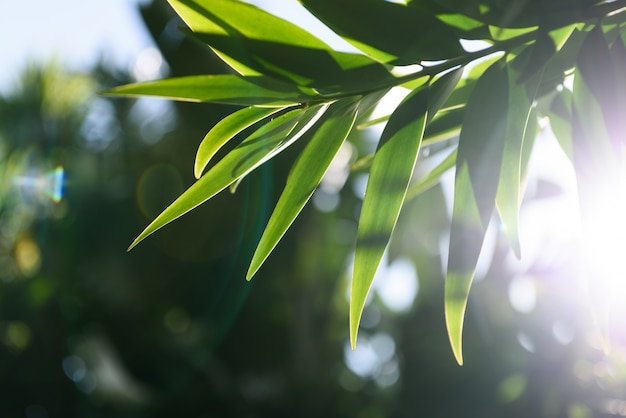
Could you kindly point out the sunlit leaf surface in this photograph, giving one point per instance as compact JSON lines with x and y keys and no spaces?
{"x":389,"y":179}
{"x":305,"y":176}
{"x":253,"y":151}
{"x":225,"y":130}
{"x":222,"y":88}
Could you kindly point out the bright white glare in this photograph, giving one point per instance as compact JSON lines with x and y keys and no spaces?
{"x":563,"y":332}
{"x":397,"y":285}
{"x":294,"y":12}
{"x":471,"y":45}
{"x":363,"y":360}
{"x":150,"y":65}
{"x":523,"y":294}
{"x":525,"y":341}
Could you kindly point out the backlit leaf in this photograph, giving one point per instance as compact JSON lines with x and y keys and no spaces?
{"x":305,"y":176}
{"x":413,"y":36}
{"x":221,"y":88}
{"x":225,"y":130}
{"x":518,"y":131}
{"x":389,"y":179}
{"x":260,"y":146}
{"x":476,"y":181}
{"x":236,"y":18}
{"x":328,"y":71}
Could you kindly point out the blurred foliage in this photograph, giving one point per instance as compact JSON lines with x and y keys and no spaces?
{"x":173,"y":329}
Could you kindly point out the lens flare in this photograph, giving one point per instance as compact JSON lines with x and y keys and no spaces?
{"x":38,"y":186}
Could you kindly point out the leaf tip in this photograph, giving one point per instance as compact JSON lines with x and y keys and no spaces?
{"x":455,"y":335}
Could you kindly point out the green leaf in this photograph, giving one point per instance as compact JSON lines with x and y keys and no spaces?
{"x":221,"y":88}
{"x":518,"y":132}
{"x":329,"y":71}
{"x":389,"y":179}
{"x":225,"y":130}
{"x":235,"y":18}
{"x":476,"y":181}
{"x":603,"y":75}
{"x":305,"y":176}
{"x":389,"y":32}
{"x":259,"y":147}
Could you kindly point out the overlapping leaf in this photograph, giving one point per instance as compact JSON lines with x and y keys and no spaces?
{"x":328,"y":71}
{"x":225,"y":130}
{"x":365,"y":24}
{"x":389,"y":179}
{"x":305,"y":176}
{"x":476,"y":181}
{"x":518,"y":141}
{"x":255,"y":42}
{"x":260,"y":146}
{"x":227,"y":17}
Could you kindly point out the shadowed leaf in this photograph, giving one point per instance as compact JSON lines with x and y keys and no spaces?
{"x":519,"y":137}
{"x":477,"y":171}
{"x":408,"y":40}
{"x":389,"y":179}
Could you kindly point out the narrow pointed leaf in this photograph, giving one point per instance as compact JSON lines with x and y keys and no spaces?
{"x":509,"y":193}
{"x":389,"y":178}
{"x":407,"y":40}
{"x":477,"y":171}
{"x":318,"y":68}
{"x":263,"y":144}
{"x":228,"y":17}
{"x":305,"y":176}
{"x":241,"y":20}
{"x":225,"y":130}
{"x":222,"y":88}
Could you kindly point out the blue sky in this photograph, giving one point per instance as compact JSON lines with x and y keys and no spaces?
{"x":78,"y":32}
{"x":75,"y":32}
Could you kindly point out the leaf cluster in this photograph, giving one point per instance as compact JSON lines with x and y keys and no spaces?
{"x":292,"y":86}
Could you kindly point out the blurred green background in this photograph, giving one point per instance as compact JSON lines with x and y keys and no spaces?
{"x":173,"y":329}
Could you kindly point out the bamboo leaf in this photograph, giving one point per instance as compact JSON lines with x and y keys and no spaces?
{"x":235,"y":18}
{"x":330,"y":71}
{"x":260,"y":146}
{"x":228,"y":17}
{"x":386,"y":190}
{"x":225,"y":130}
{"x":476,"y":181}
{"x":364,"y":23}
{"x":221,"y":88}
{"x":305,"y":176}
{"x":518,"y":130}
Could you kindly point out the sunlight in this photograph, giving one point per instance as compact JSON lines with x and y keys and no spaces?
{"x":604,"y":246}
